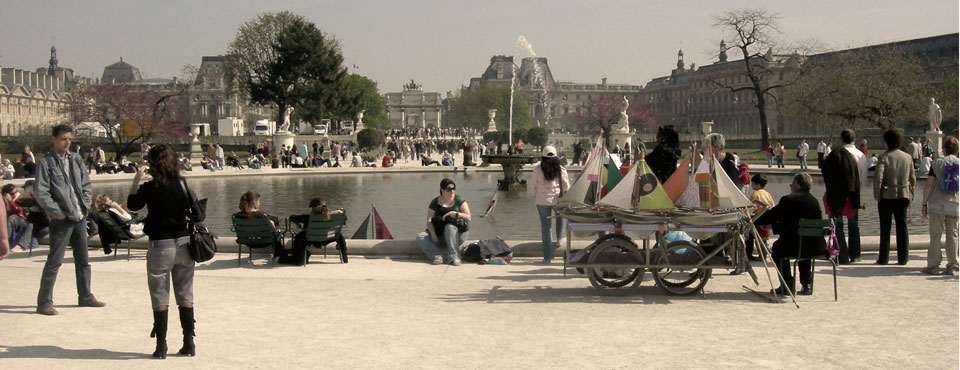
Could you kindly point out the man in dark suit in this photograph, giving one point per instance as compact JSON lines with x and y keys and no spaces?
{"x":785,"y":218}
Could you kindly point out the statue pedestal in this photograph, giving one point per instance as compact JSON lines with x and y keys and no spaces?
{"x":196,"y":151}
{"x":622,"y":138}
{"x":936,"y":143}
{"x":281,"y":138}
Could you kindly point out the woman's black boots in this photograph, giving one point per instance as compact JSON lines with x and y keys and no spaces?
{"x":160,"y":332}
{"x":186,"y":322}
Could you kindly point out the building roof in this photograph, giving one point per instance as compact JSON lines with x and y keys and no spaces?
{"x":120,"y":72}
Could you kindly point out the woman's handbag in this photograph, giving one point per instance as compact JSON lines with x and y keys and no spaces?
{"x":203,"y":245}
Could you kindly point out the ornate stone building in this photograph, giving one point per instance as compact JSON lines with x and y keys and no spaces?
{"x":690,"y":95}
{"x":31,"y":101}
{"x":413,"y":107}
{"x":549,"y":100}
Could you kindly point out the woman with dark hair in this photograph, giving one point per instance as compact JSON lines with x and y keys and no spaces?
{"x":893,"y":185}
{"x":250,"y":208}
{"x":549,"y":182}
{"x":318,"y":207}
{"x":447,"y":214}
{"x":168,"y":255}
{"x":663,"y":159}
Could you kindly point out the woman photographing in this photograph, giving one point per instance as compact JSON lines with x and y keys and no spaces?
{"x":168,"y":255}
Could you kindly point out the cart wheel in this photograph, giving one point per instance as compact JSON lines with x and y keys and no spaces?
{"x":613,"y":281}
{"x":681,"y":281}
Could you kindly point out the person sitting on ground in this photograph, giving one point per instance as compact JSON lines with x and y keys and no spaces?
{"x":356,"y":160}
{"x":275,"y":163}
{"x":317,"y":208}
{"x":19,"y":231}
{"x":427,"y":161}
{"x":785,"y":219}
{"x":447,"y":159}
{"x":448,"y":217}
{"x":112,"y":166}
{"x":250,"y":208}
{"x":120,"y":216}
{"x":233,"y":161}
{"x":253,"y":162}
{"x":7,"y":170}
{"x":184,"y":163}
{"x":297,"y":161}
{"x":387,"y":161}
{"x":207,"y":164}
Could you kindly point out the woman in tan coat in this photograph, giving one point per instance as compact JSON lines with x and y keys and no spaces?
{"x":893,"y":185}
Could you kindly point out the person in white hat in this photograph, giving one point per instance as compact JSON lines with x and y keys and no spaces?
{"x":549,"y":182}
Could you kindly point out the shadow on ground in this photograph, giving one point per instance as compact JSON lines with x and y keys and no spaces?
{"x":54,"y":352}
{"x":545,"y":294}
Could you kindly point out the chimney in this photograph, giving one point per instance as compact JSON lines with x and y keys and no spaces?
{"x":604,"y":82}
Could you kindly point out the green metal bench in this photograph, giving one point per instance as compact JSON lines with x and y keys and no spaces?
{"x":254,"y":233}
{"x":118,"y":229}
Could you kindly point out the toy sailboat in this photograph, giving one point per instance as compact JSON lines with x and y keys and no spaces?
{"x":372,"y":227}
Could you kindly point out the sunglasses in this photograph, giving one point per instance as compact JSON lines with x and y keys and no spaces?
{"x":450,"y":188}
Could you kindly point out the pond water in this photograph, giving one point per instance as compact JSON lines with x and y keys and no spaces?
{"x":402,"y":200}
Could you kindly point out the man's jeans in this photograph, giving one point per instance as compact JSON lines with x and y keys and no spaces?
{"x":803,"y":161}
{"x":851,"y":250}
{"x":17,"y":226}
{"x":545,"y":212}
{"x":451,"y":239}
{"x":769,"y":160}
{"x":61,"y":232}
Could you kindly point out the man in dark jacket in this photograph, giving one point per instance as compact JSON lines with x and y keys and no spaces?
{"x":785,"y":218}
{"x":844,"y":170}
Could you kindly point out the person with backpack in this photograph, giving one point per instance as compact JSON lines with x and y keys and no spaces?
{"x":893,"y":188}
{"x":940,"y":205}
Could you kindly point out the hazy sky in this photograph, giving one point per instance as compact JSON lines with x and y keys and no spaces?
{"x":444,"y":43}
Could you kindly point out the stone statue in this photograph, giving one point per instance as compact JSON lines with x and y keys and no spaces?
{"x":286,"y":120}
{"x":623,"y":124}
{"x":934,"y":116}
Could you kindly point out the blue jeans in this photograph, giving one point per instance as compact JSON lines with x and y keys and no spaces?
{"x":61,"y":232}
{"x":769,"y":160}
{"x":848,"y":250}
{"x":545,"y":212}
{"x":451,"y":240}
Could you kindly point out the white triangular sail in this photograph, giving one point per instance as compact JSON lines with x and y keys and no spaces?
{"x":728,"y":194}
{"x":622,"y":194}
{"x":691,"y":194}
{"x":583,"y":190}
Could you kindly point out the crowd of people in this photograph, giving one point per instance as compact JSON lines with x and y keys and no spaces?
{"x":59,"y":202}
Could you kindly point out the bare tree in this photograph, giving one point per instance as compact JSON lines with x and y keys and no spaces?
{"x":878,"y":86}
{"x":753,"y":33}
{"x":599,"y":115}
{"x":130,"y":114}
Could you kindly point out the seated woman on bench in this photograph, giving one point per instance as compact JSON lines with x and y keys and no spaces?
{"x":250,"y":208}
{"x":317,"y":208}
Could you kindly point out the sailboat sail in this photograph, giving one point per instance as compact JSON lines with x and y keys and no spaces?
{"x":585,"y":189}
{"x":372,"y":227}
{"x":691,"y":194}
{"x":677,"y":182}
{"x":380,"y":230}
{"x":361,"y":232}
{"x":639,"y":190}
{"x":727,"y":194}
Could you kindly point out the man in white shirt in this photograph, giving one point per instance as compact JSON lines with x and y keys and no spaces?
{"x":802,"y":153}
{"x":820,"y":148}
{"x":218,"y":156}
{"x":913,"y":149}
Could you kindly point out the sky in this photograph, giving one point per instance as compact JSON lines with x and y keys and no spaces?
{"x":444,"y":43}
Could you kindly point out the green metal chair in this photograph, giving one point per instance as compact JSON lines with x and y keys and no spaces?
{"x":118,"y":229}
{"x":321,"y":232}
{"x":254,"y":233}
{"x":817,"y":228}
